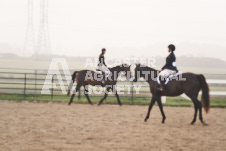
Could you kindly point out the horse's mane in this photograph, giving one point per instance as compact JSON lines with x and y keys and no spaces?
{"x":118,"y":66}
{"x":146,"y":68}
{"x":115,"y":67}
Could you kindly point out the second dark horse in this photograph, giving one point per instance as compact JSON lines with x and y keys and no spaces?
{"x":191,"y":87}
{"x":82,"y":80}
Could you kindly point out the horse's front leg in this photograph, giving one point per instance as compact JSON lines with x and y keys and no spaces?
{"x":161,"y":109}
{"x":150,"y":107}
{"x":105,"y":96}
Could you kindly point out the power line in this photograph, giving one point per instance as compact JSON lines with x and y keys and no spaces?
{"x":29,"y":45}
{"x":43,"y":46}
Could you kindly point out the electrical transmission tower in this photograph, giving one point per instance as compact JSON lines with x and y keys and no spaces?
{"x":29,"y":45}
{"x":43,"y":46}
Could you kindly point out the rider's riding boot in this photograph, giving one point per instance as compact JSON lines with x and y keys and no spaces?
{"x":162,"y":86}
{"x":103,"y":80}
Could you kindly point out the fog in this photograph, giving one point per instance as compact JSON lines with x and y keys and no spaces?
{"x":141,"y":28}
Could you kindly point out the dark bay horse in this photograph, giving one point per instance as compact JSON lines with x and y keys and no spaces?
{"x":191,"y":87}
{"x":88,"y":77}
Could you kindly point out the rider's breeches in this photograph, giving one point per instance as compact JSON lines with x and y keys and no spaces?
{"x":164,"y":74}
{"x":105,"y":70}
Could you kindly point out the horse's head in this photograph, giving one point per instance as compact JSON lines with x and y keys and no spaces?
{"x":126,"y":70}
{"x":137,"y":69}
{"x":144,"y":72}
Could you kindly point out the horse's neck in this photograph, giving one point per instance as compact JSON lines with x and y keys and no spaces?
{"x":116,"y":71}
{"x":152,"y":71}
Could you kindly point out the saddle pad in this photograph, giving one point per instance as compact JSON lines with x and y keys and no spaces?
{"x":170,"y":76}
{"x":97,"y":71}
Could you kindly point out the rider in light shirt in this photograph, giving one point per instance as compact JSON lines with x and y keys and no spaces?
{"x":102,"y":66}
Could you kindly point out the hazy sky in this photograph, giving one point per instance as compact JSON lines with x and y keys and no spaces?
{"x":124,"y":27}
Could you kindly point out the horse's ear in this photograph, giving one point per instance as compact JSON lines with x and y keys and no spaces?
{"x":125,"y":65}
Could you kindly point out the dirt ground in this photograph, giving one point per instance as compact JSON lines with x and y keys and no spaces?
{"x":55,"y":126}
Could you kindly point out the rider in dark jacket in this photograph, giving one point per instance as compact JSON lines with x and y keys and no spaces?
{"x":168,"y":69}
{"x":170,"y":60}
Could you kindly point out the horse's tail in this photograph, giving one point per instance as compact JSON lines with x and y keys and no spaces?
{"x":73,"y":76}
{"x":205,"y":93}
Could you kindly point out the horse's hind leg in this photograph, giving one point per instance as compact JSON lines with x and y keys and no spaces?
{"x":72,"y":96}
{"x":86,"y":94}
{"x":195,"y":102}
{"x":199,"y":105}
{"x":105,"y":96}
{"x":71,"y":100}
{"x":195,"y":115}
{"x":150,"y":107}
{"x":161,"y":109}
{"x":116,"y":94}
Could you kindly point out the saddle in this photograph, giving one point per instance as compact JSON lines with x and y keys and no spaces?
{"x":98,"y":71}
{"x":102,"y":73}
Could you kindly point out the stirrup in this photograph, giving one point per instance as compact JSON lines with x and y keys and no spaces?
{"x":160,"y":89}
{"x":103,"y":81}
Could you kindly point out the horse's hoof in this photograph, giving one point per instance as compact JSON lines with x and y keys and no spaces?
{"x":192,"y":123}
{"x":163,"y":120}
{"x":204,"y":124}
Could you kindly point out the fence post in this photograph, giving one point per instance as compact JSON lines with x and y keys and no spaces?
{"x":131,"y":91}
{"x":79,"y":94}
{"x":35,"y":84}
{"x":52,"y":88}
{"x":163,"y":99}
{"x":25,"y":80}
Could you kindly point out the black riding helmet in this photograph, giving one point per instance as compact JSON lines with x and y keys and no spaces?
{"x":103,"y":50}
{"x":172,"y":47}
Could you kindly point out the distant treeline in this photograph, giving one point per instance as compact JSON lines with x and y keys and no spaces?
{"x":182,"y":61}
